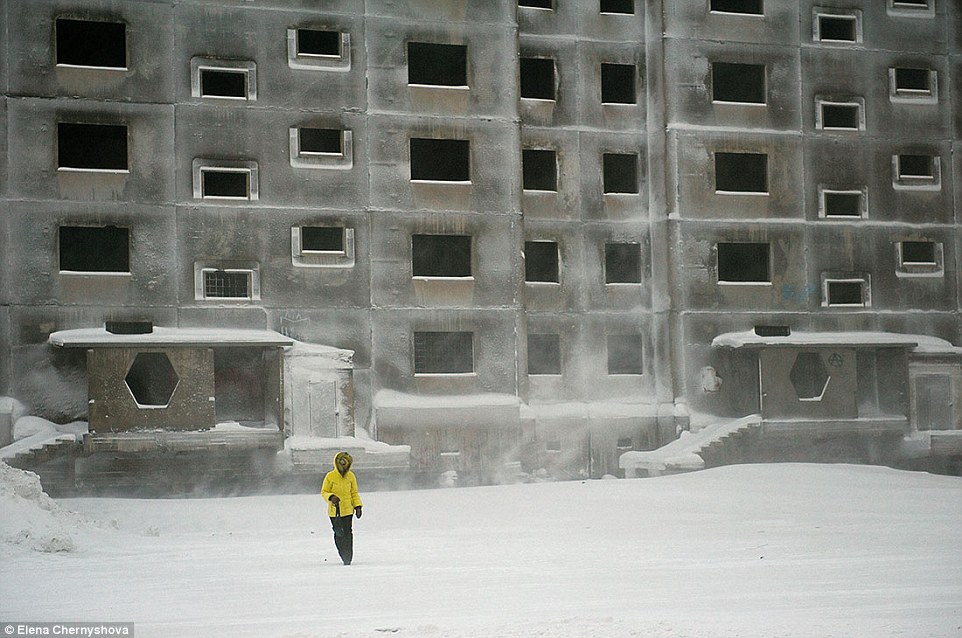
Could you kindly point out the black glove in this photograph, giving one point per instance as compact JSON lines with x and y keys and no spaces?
{"x":334,"y":499}
{"x":357,"y":511}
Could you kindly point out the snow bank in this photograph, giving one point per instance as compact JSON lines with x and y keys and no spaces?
{"x":33,"y":432}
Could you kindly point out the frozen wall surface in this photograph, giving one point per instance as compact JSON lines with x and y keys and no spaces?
{"x":564,"y":204}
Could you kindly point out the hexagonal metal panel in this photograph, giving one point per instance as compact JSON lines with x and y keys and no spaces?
{"x":152,"y":379}
{"x":809,"y":376}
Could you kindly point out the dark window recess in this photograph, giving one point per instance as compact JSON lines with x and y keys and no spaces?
{"x":441,"y":255}
{"x":918,"y":252}
{"x":91,"y":43}
{"x":443,"y":352}
{"x":915,"y":166}
{"x":541,"y":261}
{"x":223,"y":83}
{"x":539,"y":170}
{"x":315,"y":42}
{"x":437,"y":64}
{"x":913,"y":80}
{"x":625,"y":354}
{"x":92,"y":146}
{"x":912,"y":3}
{"x":537,"y":78}
{"x":151,"y":379}
{"x":843,"y":204}
{"x":617,"y":6}
{"x":752,"y":7}
{"x":94,"y":249}
{"x":618,"y":83}
{"x":773,"y":331}
{"x":321,"y":140}
{"x":837,"y":28}
{"x":741,"y":172}
{"x":228,"y":285}
{"x":738,"y":82}
{"x":809,"y":376}
{"x":537,"y":4}
{"x":133,"y":327}
{"x":544,"y":354}
{"x":322,"y":238}
{"x":840,"y":116}
{"x":552,"y":445}
{"x":440,"y":160}
{"x":744,"y":262}
{"x":622,"y":263}
{"x":226,"y":183}
{"x":845,"y":293}
{"x":624,"y":443}
{"x":620,"y":172}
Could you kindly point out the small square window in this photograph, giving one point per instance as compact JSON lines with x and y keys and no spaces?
{"x":915,"y":171}
{"x":620,"y":173}
{"x":748,"y":7}
{"x":846,"y":291}
{"x":539,"y":170}
{"x":537,"y":78}
{"x":552,"y":445}
{"x":226,"y":281}
{"x":834,"y":28}
{"x":625,"y":354}
{"x":91,"y":147}
{"x":327,"y":148}
{"x":223,"y":79}
{"x":318,"y":49}
{"x":623,"y":263}
{"x":100,"y":249}
{"x":744,"y":263}
{"x":537,"y":4}
{"x":437,"y":64}
{"x":738,"y":83}
{"x":440,"y":160}
{"x":322,"y":246}
{"x":541,"y":262}
{"x":919,"y":259}
{"x":443,"y":352}
{"x":741,"y":173}
{"x":910,"y":84}
{"x":912,"y":8}
{"x":91,"y":43}
{"x":544,"y":354}
{"x":318,"y":42}
{"x":321,"y":141}
{"x":839,"y":116}
{"x":618,"y":6}
{"x":322,"y":239}
{"x":618,"y":83}
{"x":625,"y":443}
{"x":847,"y":204}
{"x":227,"y":180}
{"x":441,"y":256}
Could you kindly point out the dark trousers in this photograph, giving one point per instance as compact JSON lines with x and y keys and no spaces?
{"x":344,"y":537}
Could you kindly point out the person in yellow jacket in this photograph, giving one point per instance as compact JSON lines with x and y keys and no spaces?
{"x":343,"y":503}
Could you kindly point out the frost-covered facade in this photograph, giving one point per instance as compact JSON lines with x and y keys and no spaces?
{"x":535,"y":231}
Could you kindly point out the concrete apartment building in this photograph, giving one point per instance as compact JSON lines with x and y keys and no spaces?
{"x":552,"y":233}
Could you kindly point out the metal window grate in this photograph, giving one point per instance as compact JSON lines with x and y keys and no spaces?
{"x":224,"y":284}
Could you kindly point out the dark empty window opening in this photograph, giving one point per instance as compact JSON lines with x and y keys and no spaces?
{"x":443,"y":352}
{"x":541,"y":261}
{"x":741,"y":83}
{"x":328,"y":239}
{"x":552,"y":445}
{"x":441,"y":255}
{"x":617,"y":83}
{"x":625,"y":354}
{"x":744,"y":263}
{"x":842,"y":204}
{"x":223,"y":83}
{"x":751,"y":7}
{"x":91,"y":43}
{"x":840,"y":116}
{"x":537,"y":78}
{"x":622,"y":263}
{"x":539,"y":170}
{"x":918,"y":252}
{"x":316,"y":42}
{"x":536,"y":4}
{"x":544,"y":354}
{"x":846,"y":292}
{"x":437,"y":64}
{"x":916,"y":167}
{"x":618,"y":6}
{"x":321,"y":141}
{"x":773,"y":331}
{"x":224,"y":284}
{"x":838,"y":28}
{"x":94,"y":249}
{"x":741,"y":172}
{"x":440,"y":160}
{"x":92,"y":146}
{"x":223,"y":183}
{"x":911,"y":3}
{"x":624,"y":443}
{"x":620,"y":173}
{"x":152,"y":379}
{"x":809,"y":376}
{"x":917,"y":81}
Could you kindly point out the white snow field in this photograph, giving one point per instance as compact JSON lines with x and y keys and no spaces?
{"x":750,"y":551}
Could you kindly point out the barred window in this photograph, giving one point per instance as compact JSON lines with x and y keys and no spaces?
{"x":225,"y":284}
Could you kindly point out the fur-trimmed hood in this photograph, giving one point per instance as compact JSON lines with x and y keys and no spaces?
{"x":345,"y":467}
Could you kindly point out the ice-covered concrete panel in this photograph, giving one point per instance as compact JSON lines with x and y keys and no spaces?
{"x":33,"y":131}
{"x":4,"y":179}
{"x":212,"y":134}
{"x":220,"y":315}
{"x":691,"y":19}
{"x":565,"y":202}
{"x":462,"y":13}
{"x":596,"y":112}
{"x":689,"y":96}
{"x":634,"y":388}
{"x":573,"y":382}
{"x":494,"y":165}
{"x":569,"y":294}
{"x":151,"y":280}
{"x":696,"y":163}
{"x":490,"y":67}
{"x":583,"y":20}
{"x":842,"y":164}
{"x":930,"y":202}
{"x":346,"y":328}
{"x":620,"y":204}
{"x":494,"y":279}
{"x":149,"y":33}
{"x":4,"y":49}
{"x":6,"y":350}
{"x":562,"y":110}
{"x":618,"y":295}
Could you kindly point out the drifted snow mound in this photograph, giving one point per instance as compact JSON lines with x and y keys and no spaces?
{"x":31,"y":519}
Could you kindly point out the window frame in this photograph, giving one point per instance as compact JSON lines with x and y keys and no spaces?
{"x":853,"y":15}
{"x":742,"y":193}
{"x":202,"y":166}
{"x":914,"y":96}
{"x":434,"y":373}
{"x":857,"y":103}
{"x":934,"y":268}
{"x":931,"y":182}
{"x":203,"y":268}
{"x":903,"y":9}
{"x":744,"y":282}
{"x":751,"y":103}
{"x":437,"y":85}
{"x":302,"y":258}
{"x":68,"y":65}
{"x":847,"y":278}
{"x":712,"y":10}
{"x":321,"y":160}
{"x":824,"y":191}
{"x":198,"y":65}
{"x":317,"y":61}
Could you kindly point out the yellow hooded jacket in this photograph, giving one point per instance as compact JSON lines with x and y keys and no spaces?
{"x":344,"y":486}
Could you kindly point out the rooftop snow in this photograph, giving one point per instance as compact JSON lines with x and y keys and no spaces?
{"x":93,"y":337}
{"x":920,"y":343}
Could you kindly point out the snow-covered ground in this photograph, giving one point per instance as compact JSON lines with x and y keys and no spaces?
{"x":753,"y":551}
